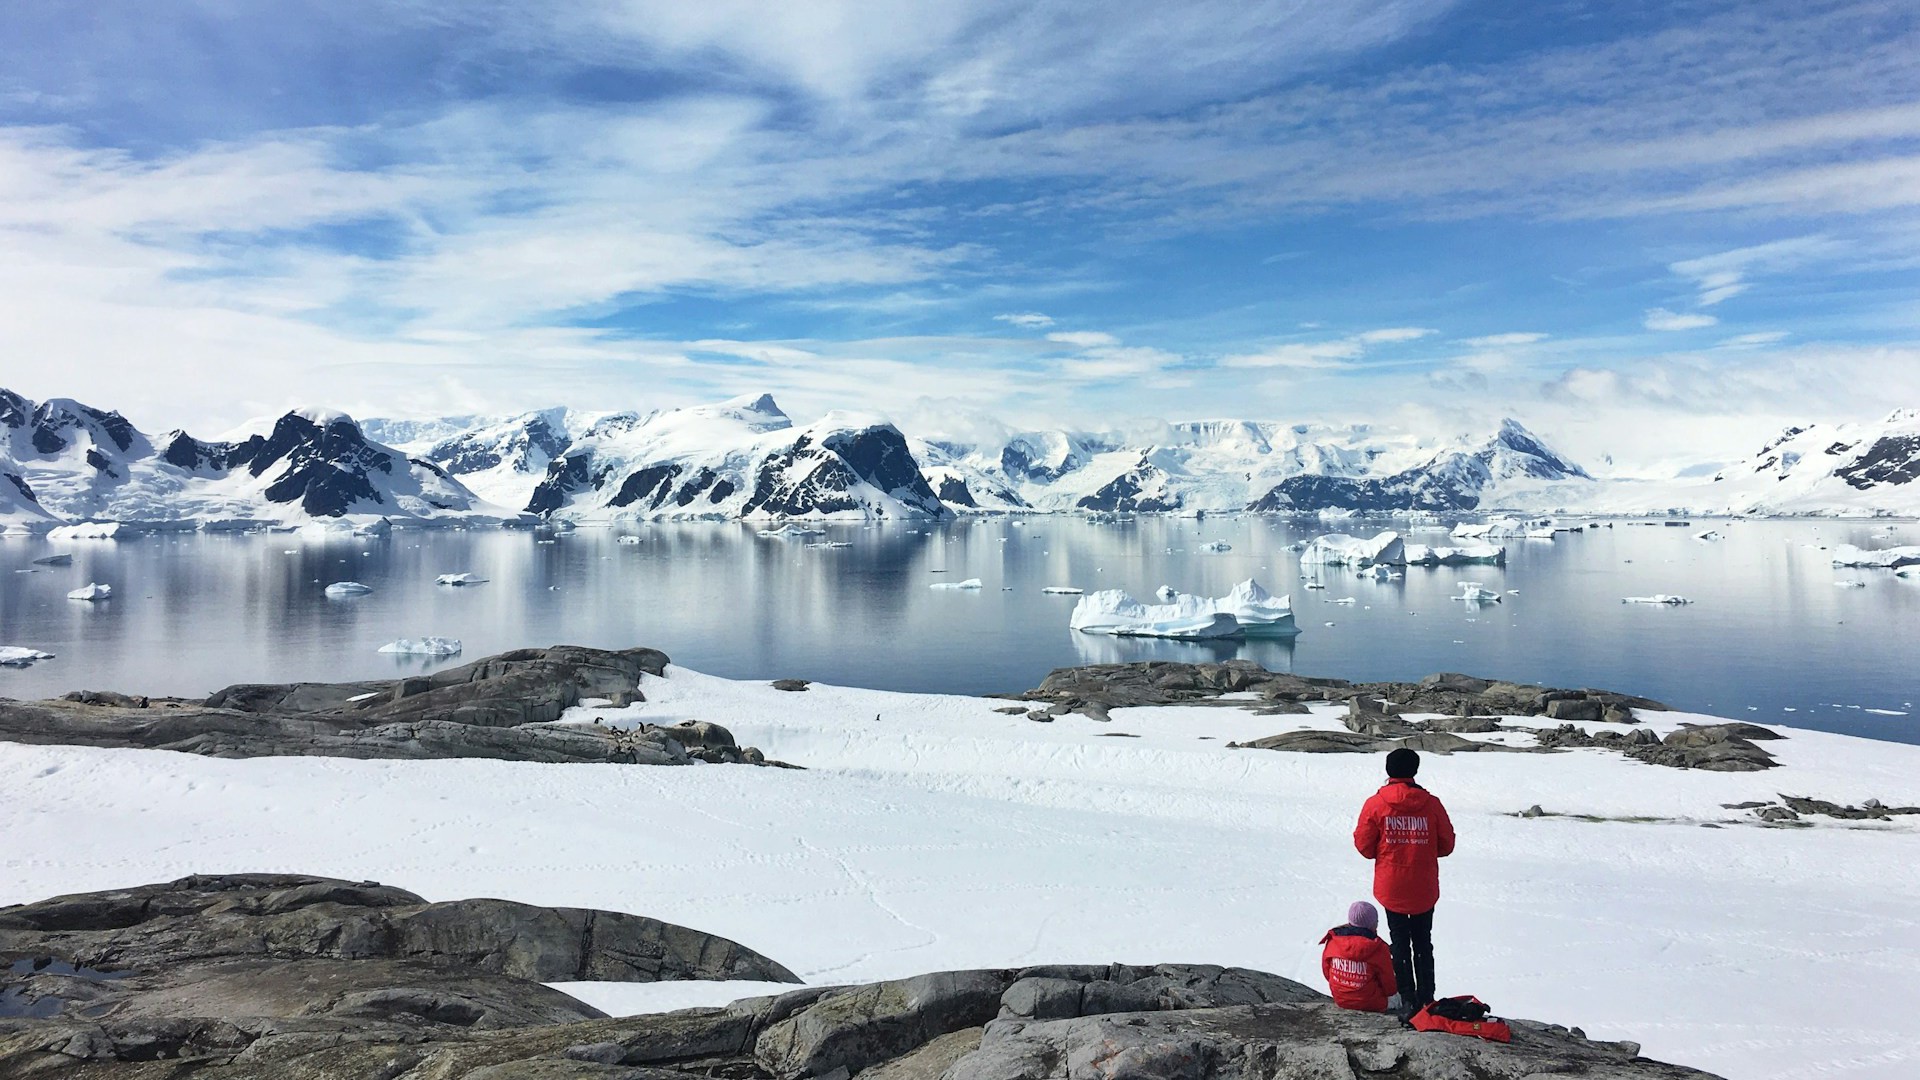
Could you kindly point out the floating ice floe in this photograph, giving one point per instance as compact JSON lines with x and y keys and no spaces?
{"x":1710,"y":535}
{"x":1215,"y":546}
{"x":62,"y":559}
{"x":1380,"y":572}
{"x":1501,"y":528}
{"x":1166,"y":593}
{"x":1069,"y":590}
{"x":426,"y":646}
{"x":1457,"y":555}
{"x":348,"y":588}
{"x":459,"y":579}
{"x":86,"y":530}
{"x":1315,"y":585}
{"x":796,"y":532}
{"x":19,"y":656}
{"x":626,"y":540}
{"x":832,"y":544}
{"x":1884,"y":558}
{"x":1344,"y":600}
{"x":92,"y":591}
{"x":1656,"y":598}
{"x":1339,"y":549}
{"x":1851,"y":584}
{"x":970,"y":584}
{"x":1541,"y":532}
{"x":1474,"y":592}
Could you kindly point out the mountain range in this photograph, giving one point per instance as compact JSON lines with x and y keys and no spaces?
{"x":64,"y":461}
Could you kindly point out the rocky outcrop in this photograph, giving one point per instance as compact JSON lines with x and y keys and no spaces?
{"x":1380,"y":715}
{"x":303,"y":1017}
{"x":501,"y":707}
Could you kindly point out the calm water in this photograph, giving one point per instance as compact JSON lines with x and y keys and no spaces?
{"x":1770,"y":636}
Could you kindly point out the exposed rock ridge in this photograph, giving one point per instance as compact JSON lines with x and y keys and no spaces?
{"x":198,"y":990}
{"x":499,"y":707}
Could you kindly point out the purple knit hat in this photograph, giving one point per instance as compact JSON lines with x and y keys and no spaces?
{"x":1362,"y":914}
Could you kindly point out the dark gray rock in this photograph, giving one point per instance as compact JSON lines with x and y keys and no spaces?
{"x":794,"y":685}
{"x":500,"y":708}
{"x":1120,"y":1021}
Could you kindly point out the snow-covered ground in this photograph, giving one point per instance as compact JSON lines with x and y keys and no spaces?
{"x":930,"y":832}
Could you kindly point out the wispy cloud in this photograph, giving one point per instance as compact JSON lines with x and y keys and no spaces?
{"x":1027,"y":320}
{"x":1725,"y":275}
{"x":1664,"y":320}
{"x":1502,"y":341}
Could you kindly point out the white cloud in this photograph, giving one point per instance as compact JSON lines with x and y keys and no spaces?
{"x":1723,"y":276}
{"x":1393,"y":335}
{"x":1083,"y":339}
{"x":1503,"y":341}
{"x":1765,"y":337}
{"x":1662,"y":319}
{"x":1320,"y":355}
{"x":1026,"y":320}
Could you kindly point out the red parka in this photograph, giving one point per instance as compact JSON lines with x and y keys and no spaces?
{"x":1358,"y":967}
{"x":1405,"y":831}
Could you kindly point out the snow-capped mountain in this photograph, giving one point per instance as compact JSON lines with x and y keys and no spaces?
{"x":503,"y":459}
{"x":1231,"y":465}
{"x":83,"y":464}
{"x":1821,"y":468}
{"x":738,"y":459}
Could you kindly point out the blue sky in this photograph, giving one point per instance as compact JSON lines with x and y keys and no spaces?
{"x":1652,"y":230}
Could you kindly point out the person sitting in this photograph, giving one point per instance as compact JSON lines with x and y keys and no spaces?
{"x":1358,"y":967}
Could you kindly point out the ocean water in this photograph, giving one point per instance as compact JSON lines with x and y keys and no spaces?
{"x":1771,"y":636}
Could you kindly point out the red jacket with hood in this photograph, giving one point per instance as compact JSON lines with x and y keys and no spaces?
{"x":1405,"y":831}
{"x":1358,"y":967}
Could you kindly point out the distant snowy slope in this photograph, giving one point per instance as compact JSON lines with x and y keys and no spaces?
{"x":739,"y":459}
{"x":83,"y":463}
{"x":501,"y":458}
{"x":1862,"y":466}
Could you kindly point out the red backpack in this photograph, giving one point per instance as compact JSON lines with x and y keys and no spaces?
{"x":1462,"y":1015}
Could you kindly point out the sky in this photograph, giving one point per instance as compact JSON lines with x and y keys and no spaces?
{"x":1655,"y":232}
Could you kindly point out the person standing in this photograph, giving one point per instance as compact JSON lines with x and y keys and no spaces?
{"x":1406,"y":832}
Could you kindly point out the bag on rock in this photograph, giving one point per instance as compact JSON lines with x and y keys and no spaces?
{"x":1461,"y":1015}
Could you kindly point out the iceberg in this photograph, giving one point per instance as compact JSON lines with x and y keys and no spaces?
{"x":1112,"y":611}
{"x":791,"y":532}
{"x":1459,"y":555}
{"x":1851,"y":584}
{"x":426,"y":646}
{"x":1882,"y":559}
{"x":831,"y":544}
{"x":627,"y":540}
{"x":1502,"y":528}
{"x":1339,"y":549}
{"x":62,"y":559}
{"x":1380,"y":572}
{"x":1474,"y":592}
{"x":18,"y":656}
{"x":92,"y":591}
{"x":1067,"y":590}
{"x":1541,"y":532}
{"x":459,"y":579}
{"x":86,"y":530}
{"x":1656,"y":598}
{"x":1166,"y":593}
{"x":348,"y":588}
{"x":1215,"y":546}
{"x":1253,"y":611}
{"x":969,"y":584}
{"x":1709,"y":536}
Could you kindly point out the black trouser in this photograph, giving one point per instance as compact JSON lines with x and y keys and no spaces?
{"x":1412,"y":949}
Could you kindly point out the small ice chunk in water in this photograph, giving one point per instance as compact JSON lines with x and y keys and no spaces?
{"x":627,"y":540}
{"x":1067,"y":590}
{"x":1850,"y":584}
{"x":1215,"y":546}
{"x":1656,"y":598}
{"x":426,"y":646}
{"x":459,"y":579}
{"x":92,"y":591}
{"x":20,"y":656}
{"x":348,"y":588}
{"x":62,"y":559}
{"x":970,"y":584}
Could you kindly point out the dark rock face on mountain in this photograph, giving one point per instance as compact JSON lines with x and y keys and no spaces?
{"x":533,"y":439}
{"x":500,"y":707}
{"x":1141,"y":490}
{"x":264,"y":976}
{"x":819,"y":478}
{"x":1892,"y":460}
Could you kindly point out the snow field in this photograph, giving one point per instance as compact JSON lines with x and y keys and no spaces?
{"x":945,"y":835}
